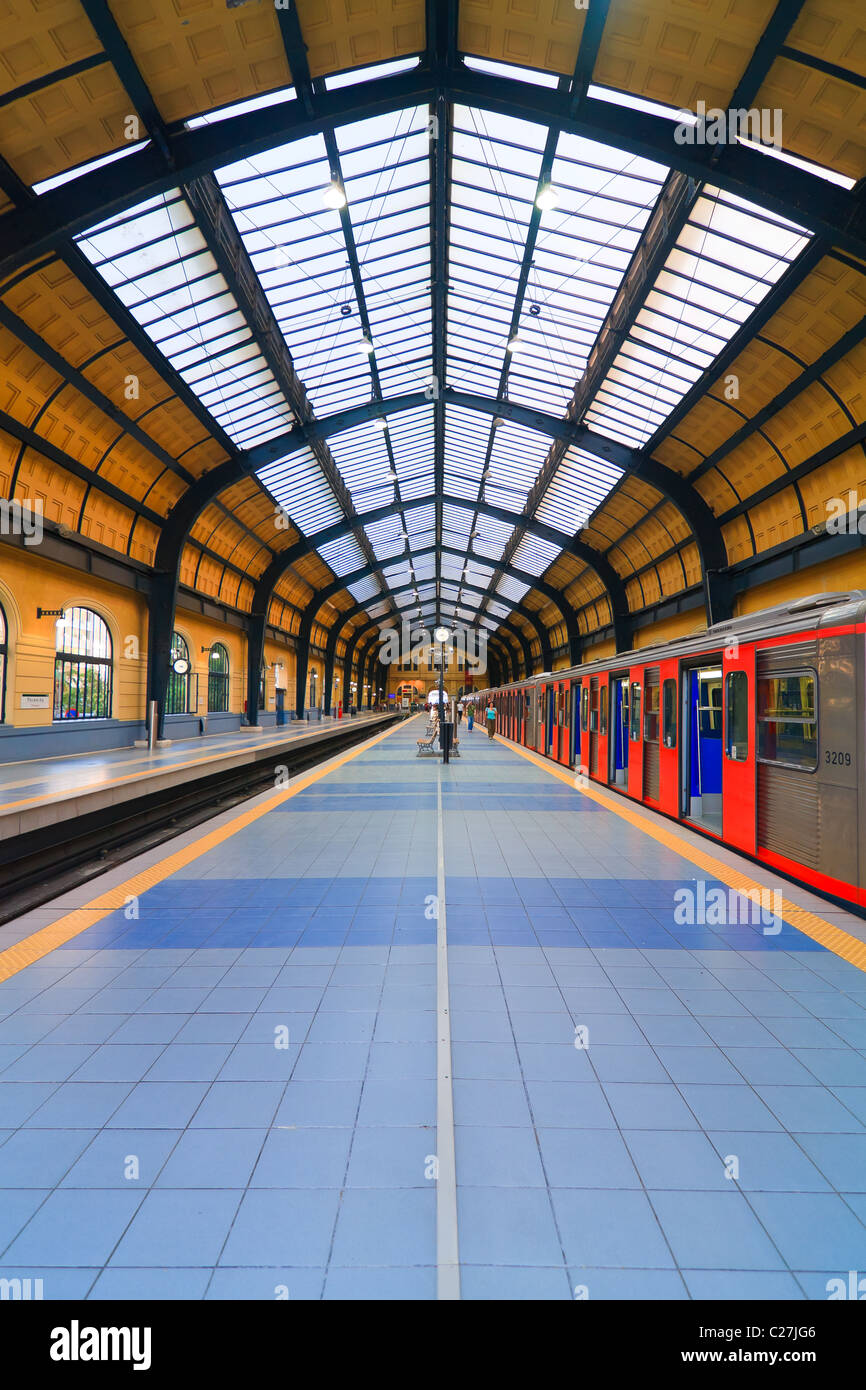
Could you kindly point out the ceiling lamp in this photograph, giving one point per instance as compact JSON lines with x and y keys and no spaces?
{"x":515,"y":344}
{"x":365,"y":346}
{"x":547,"y":198}
{"x":334,"y":195}
{"x":380,"y":423}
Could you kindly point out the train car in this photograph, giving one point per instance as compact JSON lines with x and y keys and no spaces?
{"x":752,"y":732}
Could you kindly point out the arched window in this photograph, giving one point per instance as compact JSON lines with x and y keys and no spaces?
{"x":2,"y":664}
{"x":218,"y":680}
{"x":82,"y":666}
{"x":177,"y":695}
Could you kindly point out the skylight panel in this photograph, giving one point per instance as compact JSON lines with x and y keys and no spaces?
{"x":511,"y":588}
{"x":583,"y":249}
{"x":532,"y":75}
{"x":69,"y":175}
{"x":157,"y":262}
{"x":369,"y":74}
{"x":243,"y":108}
{"x":364,"y":589}
{"x":386,"y":537}
{"x":343,"y":555}
{"x":301,"y":489}
{"x":579,"y":485}
{"x":727,"y":259}
{"x":535,"y":555}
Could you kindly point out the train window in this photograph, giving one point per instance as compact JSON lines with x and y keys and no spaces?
{"x":651,"y":714}
{"x":593,"y":709}
{"x":603,"y":729}
{"x":787,"y":722}
{"x":584,"y":708}
{"x":669,"y":713}
{"x":737,"y":716}
{"x":635,"y":712}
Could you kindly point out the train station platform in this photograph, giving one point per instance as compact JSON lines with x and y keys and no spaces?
{"x":407,"y":1031}
{"x":43,"y":791}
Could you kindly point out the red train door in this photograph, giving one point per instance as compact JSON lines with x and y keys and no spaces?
{"x":652,"y":693}
{"x":583,"y":726}
{"x":543,"y":702}
{"x":739,"y":764}
{"x":553,"y":716}
{"x":635,"y":733}
{"x":564,"y":721}
{"x":594,"y":720}
{"x":669,"y":738}
{"x":604,"y":727}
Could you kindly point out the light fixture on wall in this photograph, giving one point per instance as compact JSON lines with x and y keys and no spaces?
{"x":50,"y":613}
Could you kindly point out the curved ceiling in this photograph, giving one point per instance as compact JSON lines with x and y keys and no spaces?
{"x":372,"y":310}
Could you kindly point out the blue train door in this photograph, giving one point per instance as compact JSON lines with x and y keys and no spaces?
{"x":619,"y":741}
{"x":281,"y":706}
{"x":702,"y":768}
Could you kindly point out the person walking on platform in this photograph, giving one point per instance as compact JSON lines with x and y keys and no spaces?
{"x":470,"y":719}
{"x":490,"y":714}
{"x":459,"y":712}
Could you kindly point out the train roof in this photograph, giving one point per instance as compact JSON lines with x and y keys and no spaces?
{"x":818,"y":611}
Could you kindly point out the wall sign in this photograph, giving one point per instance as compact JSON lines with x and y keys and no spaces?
{"x":35,"y":701}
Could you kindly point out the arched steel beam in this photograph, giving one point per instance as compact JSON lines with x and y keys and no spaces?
{"x":375,"y":624}
{"x":265,"y":589}
{"x":695,"y":511}
{"x":39,"y":226}
{"x":349,"y":613}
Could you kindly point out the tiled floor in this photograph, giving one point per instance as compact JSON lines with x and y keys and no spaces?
{"x":234,"y":1094}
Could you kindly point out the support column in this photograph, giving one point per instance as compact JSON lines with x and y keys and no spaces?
{"x":160,"y":627}
{"x":255,"y":657}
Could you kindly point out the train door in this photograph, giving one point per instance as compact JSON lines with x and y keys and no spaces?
{"x":619,"y":731}
{"x":651,"y":731}
{"x":553,"y":731}
{"x":581,"y":751}
{"x":594,"y":716}
{"x":603,"y":734}
{"x":668,"y":741}
{"x":574,"y":731}
{"x":564,"y":717}
{"x":702,"y":738}
{"x":543,"y":701}
{"x":739,"y":764}
{"x":635,"y":734}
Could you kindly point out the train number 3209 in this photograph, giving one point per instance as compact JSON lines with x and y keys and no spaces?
{"x":833,"y":756}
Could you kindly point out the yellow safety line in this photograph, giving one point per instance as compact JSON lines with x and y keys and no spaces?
{"x":156,"y":768}
{"x":840,"y":942}
{"x":41,"y":943}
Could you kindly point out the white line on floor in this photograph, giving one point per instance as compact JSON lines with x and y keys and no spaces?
{"x":447,"y":1252}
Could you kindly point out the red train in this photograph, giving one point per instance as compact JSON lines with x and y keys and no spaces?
{"x":753,"y":732}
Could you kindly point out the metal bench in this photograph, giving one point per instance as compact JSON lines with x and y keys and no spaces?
{"x":425,"y":744}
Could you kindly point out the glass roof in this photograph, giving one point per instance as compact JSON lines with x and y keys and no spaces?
{"x":159,"y":265}
{"x":541,"y":228}
{"x":727,"y":258}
